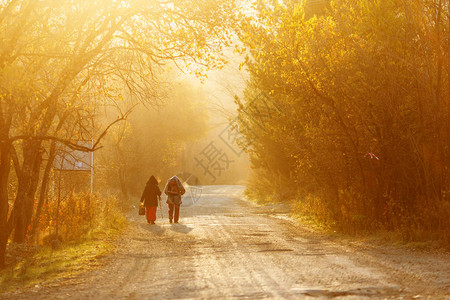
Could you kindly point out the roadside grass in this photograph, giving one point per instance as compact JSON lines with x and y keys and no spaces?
{"x":313,"y":224}
{"x":396,"y":238}
{"x":400,"y":238}
{"x":44,"y":264}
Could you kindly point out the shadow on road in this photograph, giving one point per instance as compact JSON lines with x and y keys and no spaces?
{"x":180,"y":228}
{"x":361,"y":292}
{"x":155,"y":228}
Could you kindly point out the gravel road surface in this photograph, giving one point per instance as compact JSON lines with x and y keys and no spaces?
{"x":228,"y":248}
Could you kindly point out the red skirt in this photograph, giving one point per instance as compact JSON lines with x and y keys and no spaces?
{"x":150,"y":213}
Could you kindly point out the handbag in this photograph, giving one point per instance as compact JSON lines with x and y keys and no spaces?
{"x":141,"y":209}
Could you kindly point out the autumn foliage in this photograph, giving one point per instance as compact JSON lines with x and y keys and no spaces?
{"x":64,"y":63}
{"x":347,"y":111}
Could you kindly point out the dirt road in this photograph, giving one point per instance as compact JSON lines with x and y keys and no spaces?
{"x":227,"y":248}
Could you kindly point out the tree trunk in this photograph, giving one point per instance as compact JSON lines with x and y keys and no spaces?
{"x":5,"y":165}
{"x":28,"y":182}
{"x":123,"y":184}
{"x":44,"y":187}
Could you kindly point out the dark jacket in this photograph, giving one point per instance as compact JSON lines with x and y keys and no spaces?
{"x":151,"y":192}
{"x":174,"y":197}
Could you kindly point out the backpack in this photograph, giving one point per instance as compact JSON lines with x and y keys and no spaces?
{"x":173,"y":187}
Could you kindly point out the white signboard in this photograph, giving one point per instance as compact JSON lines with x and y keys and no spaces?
{"x":74,"y":160}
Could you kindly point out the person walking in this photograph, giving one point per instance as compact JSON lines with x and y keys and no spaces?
{"x":149,"y":199}
{"x":174,"y":190}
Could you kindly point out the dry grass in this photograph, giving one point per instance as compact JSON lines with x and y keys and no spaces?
{"x":31,"y":265}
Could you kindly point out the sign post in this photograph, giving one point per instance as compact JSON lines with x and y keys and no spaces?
{"x":75,"y":160}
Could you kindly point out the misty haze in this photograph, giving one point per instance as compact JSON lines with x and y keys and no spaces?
{"x":216,"y":149}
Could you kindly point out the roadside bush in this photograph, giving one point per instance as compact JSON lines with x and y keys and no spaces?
{"x":81,"y":215}
{"x":265,"y":186}
{"x":86,"y":226}
{"x":361,"y":123}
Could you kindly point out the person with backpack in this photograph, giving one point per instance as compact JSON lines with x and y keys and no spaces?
{"x":174,"y":190}
{"x":149,"y":199}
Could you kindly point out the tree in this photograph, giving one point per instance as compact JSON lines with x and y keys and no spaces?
{"x":61,"y":60}
{"x":152,"y":140}
{"x":364,"y":95}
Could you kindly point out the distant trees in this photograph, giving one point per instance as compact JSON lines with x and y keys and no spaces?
{"x":152,"y":140}
{"x":360,"y":102}
{"x":60,"y":61}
